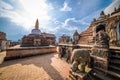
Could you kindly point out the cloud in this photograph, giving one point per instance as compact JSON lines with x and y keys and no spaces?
{"x":111,"y":7}
{"x":70,"y":20}
{"x":54,"y":17}
{"x":107,"y":10}
{"x":66,"y":7}
{"x":67,"y":27}
{"x":91,"y":16}
{"x":27,"y":12}
{"x":4,"y":5}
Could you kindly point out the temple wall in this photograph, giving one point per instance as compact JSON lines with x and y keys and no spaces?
{"x":112,"y":23}
{"x":2,"y":35}
{"x":28,"y":51}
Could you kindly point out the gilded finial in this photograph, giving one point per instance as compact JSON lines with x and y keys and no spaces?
{"x":37,"y":24}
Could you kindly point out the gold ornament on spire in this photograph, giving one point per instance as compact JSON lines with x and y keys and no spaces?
{"x":37,"y":24}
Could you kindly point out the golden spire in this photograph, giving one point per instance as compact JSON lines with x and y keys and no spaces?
{"x":37,"y":24}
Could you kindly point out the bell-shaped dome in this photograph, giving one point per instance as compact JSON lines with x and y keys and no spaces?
{"x":36,"y":31}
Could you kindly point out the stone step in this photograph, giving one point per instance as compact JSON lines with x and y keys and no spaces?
{"x":115,"y":56}
{"x":116,"y":61}
{"x":110,"y":73}
{"x":114,"y":68}
{"x":100,"y":75}
{"x":71,"y":77}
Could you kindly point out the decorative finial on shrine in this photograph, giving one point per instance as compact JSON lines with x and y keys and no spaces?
{"x":102,"y":13}
{"x":37,"y":24}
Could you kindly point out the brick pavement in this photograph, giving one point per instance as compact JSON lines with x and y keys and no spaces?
{"x":40,"y":67}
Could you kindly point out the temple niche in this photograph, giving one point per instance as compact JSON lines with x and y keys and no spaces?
{"x":37,"y":38}
{"x":112,"y":23}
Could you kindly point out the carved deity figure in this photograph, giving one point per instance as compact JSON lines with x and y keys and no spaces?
{"x":79,"y":59}
{"x":112,"y":31}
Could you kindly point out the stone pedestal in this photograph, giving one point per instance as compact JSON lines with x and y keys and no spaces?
{"x":100,"y":62}
{"x":79,"y":75}
{"x":100,"y":57}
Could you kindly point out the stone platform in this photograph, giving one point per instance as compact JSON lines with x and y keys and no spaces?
{"x":18,"y":52}
{"x":41,"y":67}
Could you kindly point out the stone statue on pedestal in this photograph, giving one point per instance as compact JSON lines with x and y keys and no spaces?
{"x":79,"y":59}
{"x":100,"y":48}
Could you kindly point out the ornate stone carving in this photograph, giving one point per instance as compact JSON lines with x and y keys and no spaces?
{"x":101,"y":38}
{"x":100,"y":50}
{"x":112,"y":31}
{"x":111,"y":20}
{"x":79,"y":59}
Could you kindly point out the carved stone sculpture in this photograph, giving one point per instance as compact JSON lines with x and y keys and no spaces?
{"x":113,"y":33}
{"x":79,"y":59}
{"x":101,"y":48}
{"x":101,"y":38}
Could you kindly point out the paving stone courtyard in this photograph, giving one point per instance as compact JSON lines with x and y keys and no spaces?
{"x":40,"y":67}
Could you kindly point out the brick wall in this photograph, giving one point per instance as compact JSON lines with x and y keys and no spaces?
{"x":22,"y":52}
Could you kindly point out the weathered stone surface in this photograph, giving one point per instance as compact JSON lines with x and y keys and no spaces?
{"x":27,"y":51}
{"x":112,"y":23}
{"x":2,"y":56}
{"x":41,"y":67}
{"x":80,"y":59}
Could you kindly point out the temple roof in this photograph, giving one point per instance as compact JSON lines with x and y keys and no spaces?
{"x":76,"y":33}
{"x":36,"y":31}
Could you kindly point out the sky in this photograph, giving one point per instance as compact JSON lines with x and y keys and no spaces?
{"x":17,"y":17}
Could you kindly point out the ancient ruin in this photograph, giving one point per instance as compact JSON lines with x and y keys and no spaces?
{"x":93,"y":54}
{"x":101,"y":41}
{"x":37,"y":38}
{"x":112,"y":22}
